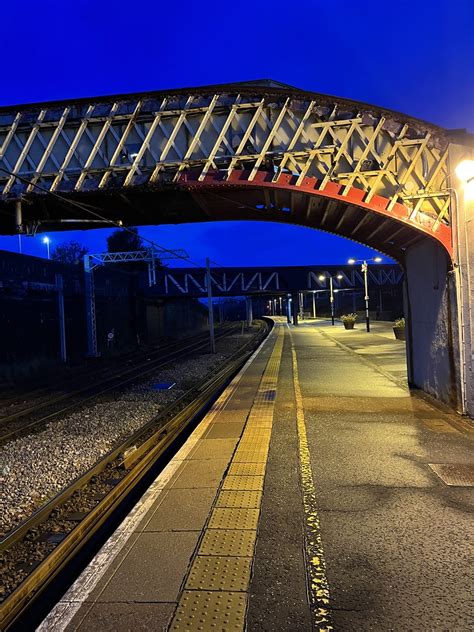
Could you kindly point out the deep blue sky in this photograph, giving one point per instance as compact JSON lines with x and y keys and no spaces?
{"x":414,"y":56}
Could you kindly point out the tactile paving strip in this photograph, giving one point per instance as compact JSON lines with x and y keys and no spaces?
{"x":250,"y":456}
{"x":230,"y":542}
{"x":247,"y":469}
{"x":219,"y":573}
{"x":251,"y":483}
{"x":223,"y":563}
{"x":241,"y":498}
{"x":233,"y":518}
{"x":210,"y":610}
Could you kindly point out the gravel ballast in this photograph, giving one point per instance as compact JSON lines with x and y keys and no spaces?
{"x":35,"y":467}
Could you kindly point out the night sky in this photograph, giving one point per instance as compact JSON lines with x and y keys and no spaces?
{"x":413,"y":56}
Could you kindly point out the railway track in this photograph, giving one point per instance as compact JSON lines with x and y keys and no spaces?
{"x":31,"y":417}
{"x":36,"y":551}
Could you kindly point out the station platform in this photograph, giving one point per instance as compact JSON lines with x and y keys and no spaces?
{"x":318,"y":493}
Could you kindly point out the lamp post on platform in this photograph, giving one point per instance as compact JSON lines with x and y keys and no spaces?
{"x":46,"y":241}
{"x":364,"y":269}
{"x":322,"y":277}
{"x":314,"y":304}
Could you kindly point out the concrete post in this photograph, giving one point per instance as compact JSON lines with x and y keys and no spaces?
{"x":249,"y":310}
{"x":288,"y":309}
{"x":295,"y":304}
{"x":62,"y":320}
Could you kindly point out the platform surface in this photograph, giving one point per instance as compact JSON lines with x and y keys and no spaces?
{"x":306,"y":499}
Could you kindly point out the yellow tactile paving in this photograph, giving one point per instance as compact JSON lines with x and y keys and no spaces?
{"x":210,"y":610}
{"x":251,"y":456}
{"x":213,"y":572}
{"x":233,"y":518}
{"x":246,"y":482}
{"x":215,"y":591}
{"x":239,"y":542}
{"x":240,"y":498}
{"x":247,"y":469}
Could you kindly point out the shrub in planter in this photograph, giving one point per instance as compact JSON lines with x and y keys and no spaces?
{"x":349,"y":320}
{"x":399,"y":329}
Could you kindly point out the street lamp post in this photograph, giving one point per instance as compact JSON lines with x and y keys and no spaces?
{"x":364,"y":268}
{"x":322,"y":277}
{"x":46,"y":241}
{"x":314,"y":304}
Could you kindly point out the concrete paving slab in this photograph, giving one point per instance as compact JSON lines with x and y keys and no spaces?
{"x":181,"y":510}
{"x":127,"y":617}
{"x":153,"y":570}
{"x":196,"y":473}
{"x":213,"y":448}
{"x":219,"y":430}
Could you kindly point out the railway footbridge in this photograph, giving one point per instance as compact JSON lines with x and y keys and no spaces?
{"x":269,"y":152}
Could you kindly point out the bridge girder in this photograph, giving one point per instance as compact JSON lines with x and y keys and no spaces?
{"x":117,"y":153}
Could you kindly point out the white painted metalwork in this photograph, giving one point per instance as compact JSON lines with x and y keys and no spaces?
{"x":80,"y":146}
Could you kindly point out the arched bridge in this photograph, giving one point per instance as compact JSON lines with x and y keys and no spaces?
{"x":259,"y":149}
{"x":263,"y":151}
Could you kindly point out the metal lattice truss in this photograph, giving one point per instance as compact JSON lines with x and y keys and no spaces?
{"x":237,"y":282}
{"x":398,"y":165}
{"x":152,"y":256}
{"x":149,"y":255}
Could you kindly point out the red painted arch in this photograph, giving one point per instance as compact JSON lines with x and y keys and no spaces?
{"x":332,"y":190}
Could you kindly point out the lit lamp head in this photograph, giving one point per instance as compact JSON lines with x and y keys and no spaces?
{"x":321,"y":277}
{"x":339,"y":276}
{"x":377,"y":259}
{"x":351,"y":261}
{"x":45,"y":240}
{"x":465,"y":172}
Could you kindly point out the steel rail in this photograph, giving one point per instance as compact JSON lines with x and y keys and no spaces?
{"x":81,"y":372}
{"x":143,"y":458}
{"x":108,"y":373}
{"x":134,"y":373}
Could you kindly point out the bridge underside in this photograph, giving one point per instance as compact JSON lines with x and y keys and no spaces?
{"x":218,"y":200}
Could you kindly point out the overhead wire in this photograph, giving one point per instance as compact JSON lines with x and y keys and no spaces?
{"x":106,"y":220}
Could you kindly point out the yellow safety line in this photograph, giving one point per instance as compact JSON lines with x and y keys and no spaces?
{"x":316,"y":565}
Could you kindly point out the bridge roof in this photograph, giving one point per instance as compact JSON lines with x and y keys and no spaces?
{"x":265,"y":86}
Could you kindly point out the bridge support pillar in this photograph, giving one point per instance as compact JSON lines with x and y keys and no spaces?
{"x":462,"y":213}
{"x":431,"y":312}
{"x":295,"y":303}
{"x":249,"y":310}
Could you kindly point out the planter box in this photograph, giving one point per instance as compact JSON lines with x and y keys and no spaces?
{"x":348,"y":325}
{"x":399,"y":333}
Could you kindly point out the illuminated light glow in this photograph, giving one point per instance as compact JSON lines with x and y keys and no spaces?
{"x":469,"y":190}
{"x":377,"y":259}
{"x":351,"y":261}
{"x":45,"y":240}
{"x":321,"y":277}
{"x":465,"y":171}
{"x":339,"y":276}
